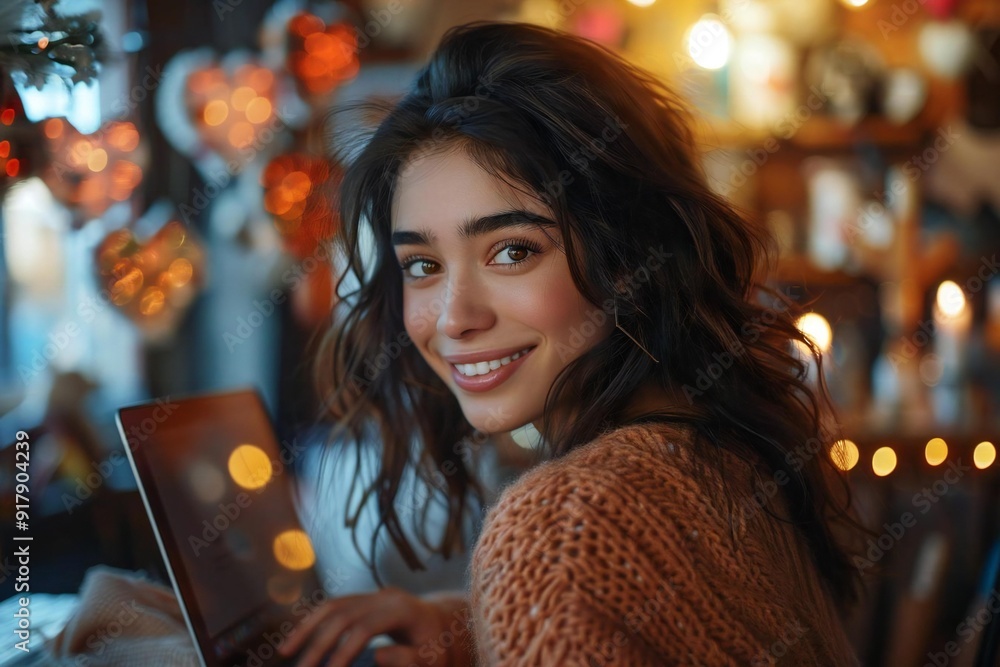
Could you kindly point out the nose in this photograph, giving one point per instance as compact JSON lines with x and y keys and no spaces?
{"x":465,"y":309}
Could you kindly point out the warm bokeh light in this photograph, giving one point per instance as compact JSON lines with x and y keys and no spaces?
{"x":241,"y":97}
{"x":128,"y":282}
{"x":642,"y":3}
{"x":151,"y":280}
{"x":249,"y":467}
{"x":709,"y":43}
{"x":950,"y":299}
{"x":151,"y":302}
{"x":883,"y":461}
{"x":293,"y":549}
{"x":984,"y":455}
{"x":854,"y":4}
{"x":320,"y":56}
{"x":298,"y":193}
{"x":936,"y":451}
{"x":216,"y":112}
{"x":258,"y":110}
{"x":817,"y":329}
{"x":241,"y":134}
{"x":53,"y":128}
{"x":97,"y":160}
{"x":123,"y":136}
{"x":845,"y":454}
{"x":180,"y":271}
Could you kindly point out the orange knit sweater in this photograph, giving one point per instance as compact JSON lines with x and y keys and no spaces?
{"x":622,"y":552}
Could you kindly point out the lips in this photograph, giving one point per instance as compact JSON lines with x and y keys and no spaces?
{"x":494,"y":378}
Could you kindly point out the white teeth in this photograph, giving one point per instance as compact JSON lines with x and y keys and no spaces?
{"x":484,"y":367}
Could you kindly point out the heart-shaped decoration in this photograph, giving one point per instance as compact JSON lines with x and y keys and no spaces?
{"x":232,"y":111}
{"x":946,"y":47}
{"x":320,"y":56}
{"x":89,"y":173}
{"x":300,"y":194}
{"x":152,"y":282}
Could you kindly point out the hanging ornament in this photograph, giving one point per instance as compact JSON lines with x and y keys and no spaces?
{"x":299,"y":194}
{"x":151,"y":282}
{"x":946,"y":47}
{"x":89,"y":173}
{"x":232,"y":111}
{"x":320,"y":56}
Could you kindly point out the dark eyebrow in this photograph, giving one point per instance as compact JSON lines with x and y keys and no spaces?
{"x":476,"y":227}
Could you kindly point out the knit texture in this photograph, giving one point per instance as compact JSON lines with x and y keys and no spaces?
{"x":627,"y":551}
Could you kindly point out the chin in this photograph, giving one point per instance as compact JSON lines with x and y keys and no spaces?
{"x":493,"y":416}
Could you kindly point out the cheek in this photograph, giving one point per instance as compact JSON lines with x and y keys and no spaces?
{"x":555,"y":308}
{"x":420,"y":312}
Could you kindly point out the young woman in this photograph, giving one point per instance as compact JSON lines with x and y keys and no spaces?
{"x":546,"y":251}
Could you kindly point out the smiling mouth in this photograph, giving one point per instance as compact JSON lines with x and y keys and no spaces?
{"x":485,"y":367}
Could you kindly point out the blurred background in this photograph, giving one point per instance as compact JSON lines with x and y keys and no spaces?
{"x":165,"y":173}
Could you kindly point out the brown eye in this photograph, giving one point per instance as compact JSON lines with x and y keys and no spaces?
{"x":426,"y":268}
{"x":513,"y":254}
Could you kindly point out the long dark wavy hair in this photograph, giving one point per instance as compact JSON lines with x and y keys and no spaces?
{"x":533,"y":106}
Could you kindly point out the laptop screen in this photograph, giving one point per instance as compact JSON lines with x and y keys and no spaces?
{"x":217,"y":488}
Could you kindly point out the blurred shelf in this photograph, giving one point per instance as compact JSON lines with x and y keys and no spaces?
{"x":799,"y":270}
{"x":815,"y":133}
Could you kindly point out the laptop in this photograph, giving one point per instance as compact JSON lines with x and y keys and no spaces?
{"x":217,"y":489}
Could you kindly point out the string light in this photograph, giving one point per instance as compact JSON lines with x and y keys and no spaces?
{"x":816,"y":328}
{"x":936,"y":451}
{"x":845,"y":454}
{"x":984,"y":455}
{"x":883,"y":461}
{"x":709,"y":42}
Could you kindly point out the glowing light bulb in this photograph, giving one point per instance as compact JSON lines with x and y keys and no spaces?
{"x":883,"y":461}
{"x":709,"y":43}
{"x":936,"y":451}
{"x":293,"y":549}
{"x":817,"y":329}
{"x":950,"y":299}
{"x":984,"y":455}
{"x":845,"y":454}
{"x":249,"y":467}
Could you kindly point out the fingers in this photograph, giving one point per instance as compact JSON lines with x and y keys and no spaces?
{"x":352,"y":632}
{"x":396,"y":656}
{"x":308,"y":625}
{"x":324,"y":638}
{"x":346,"y":625}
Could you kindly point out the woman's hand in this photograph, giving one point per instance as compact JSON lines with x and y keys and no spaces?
{"x":431,"y":629}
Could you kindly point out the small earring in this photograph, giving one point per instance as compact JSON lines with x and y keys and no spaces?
{"x":641,"y":346}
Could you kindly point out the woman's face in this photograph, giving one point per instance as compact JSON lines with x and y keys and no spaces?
{"x":482,"y":283}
